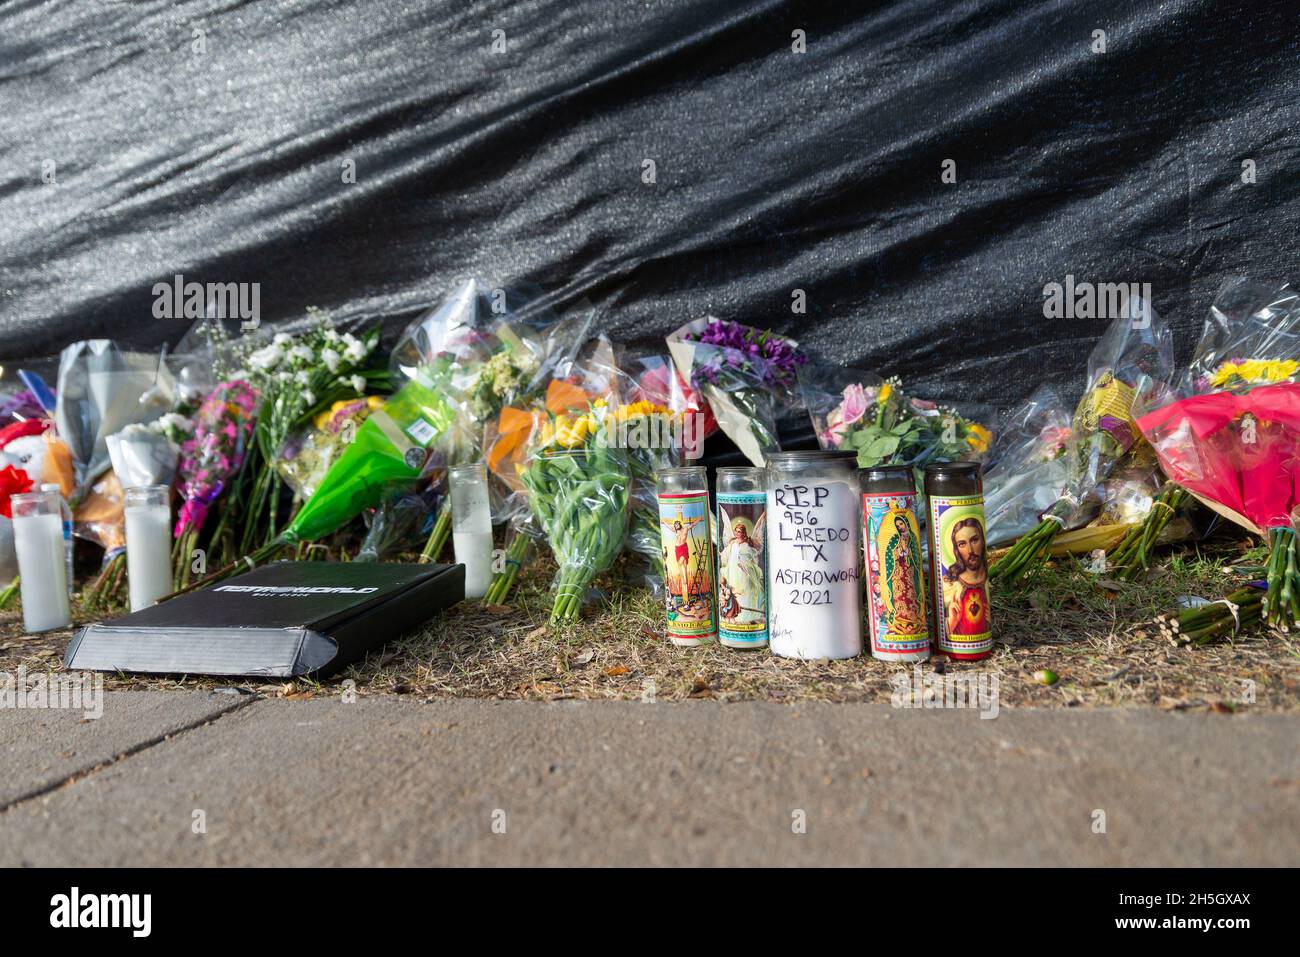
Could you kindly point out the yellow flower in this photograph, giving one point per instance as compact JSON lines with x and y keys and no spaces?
{"x":1254,"y":371}
{"x":886,"y":390}
{"x":573,"y":431}
{"x":979,"y":437}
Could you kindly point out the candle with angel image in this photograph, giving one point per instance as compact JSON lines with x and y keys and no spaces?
{"x":742,"y":566}
{"x":688,"y":555}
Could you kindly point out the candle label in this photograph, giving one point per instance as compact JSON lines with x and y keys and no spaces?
{"x":959,"y":576}
{"x":742,"y":567}
{"x":815,"y":610}
{"x":895,"y":590}
{"x":688,"y":563}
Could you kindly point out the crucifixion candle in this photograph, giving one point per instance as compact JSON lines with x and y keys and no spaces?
{"x":38,"y":542}
{"x":687,"y":554}
{"x":813,"y":517}
{"x":148,"y":544}
{"x":959,"y":573}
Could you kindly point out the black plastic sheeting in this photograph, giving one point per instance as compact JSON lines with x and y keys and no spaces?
{"x":210,"y":139}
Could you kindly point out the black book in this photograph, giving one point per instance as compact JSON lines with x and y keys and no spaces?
{"x":279,"y":621}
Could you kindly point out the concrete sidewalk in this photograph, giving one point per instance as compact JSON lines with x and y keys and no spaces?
{"x":394,"y":781}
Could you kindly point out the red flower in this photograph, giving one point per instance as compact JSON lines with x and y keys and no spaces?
{"x":12,"y":482}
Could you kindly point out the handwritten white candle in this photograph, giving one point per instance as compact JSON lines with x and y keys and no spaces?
{"x":814,"y":605}
{"x":38,"y":542}
{"x":148,"y":554}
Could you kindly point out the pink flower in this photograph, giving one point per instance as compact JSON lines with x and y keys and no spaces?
{"x":850,"y":410}
{"x":1054,"y":439}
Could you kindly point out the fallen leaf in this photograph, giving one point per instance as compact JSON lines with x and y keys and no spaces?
{"x":584,"y":658}
{"x":615,"y":671}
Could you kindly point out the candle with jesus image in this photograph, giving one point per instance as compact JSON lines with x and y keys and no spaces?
{"x":687,"y":554}
{"x":959,"y":574}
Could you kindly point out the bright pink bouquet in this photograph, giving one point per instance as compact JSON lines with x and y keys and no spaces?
{"x":214,"y":454}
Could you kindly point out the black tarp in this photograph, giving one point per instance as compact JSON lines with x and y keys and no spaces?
{"x":210,"y":139}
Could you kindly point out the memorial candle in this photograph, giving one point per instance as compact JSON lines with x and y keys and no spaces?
{"x":814,"y":601}
{"x":38,"y":542}
{"x":148,"y":544}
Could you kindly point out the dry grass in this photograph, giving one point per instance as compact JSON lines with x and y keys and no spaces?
{"x":1067,"y":622}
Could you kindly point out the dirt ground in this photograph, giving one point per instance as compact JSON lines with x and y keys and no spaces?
{"x":1086,"y":631}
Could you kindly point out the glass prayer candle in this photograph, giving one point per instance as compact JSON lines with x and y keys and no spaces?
{"x":687,"y":554}
{"x":471,"y":525}
{"x":38,"y":542}
{"x":959,"y":574}
{"x":742,"y":564}
{"x":814,"y":518}
{"x":891,"y":547}
{"x":148,"y":544}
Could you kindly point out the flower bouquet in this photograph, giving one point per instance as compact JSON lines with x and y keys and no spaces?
{"x":1232,"y":438}
{"x":875,"y":418}
{"x":577,"y":485}
{"x":1129,"y":366}
{"x":294,"y":376}
{"x":209,"y":461}
{"x":310,"y":452}
{"x":746,"y":376}
{"x":12,"y":481}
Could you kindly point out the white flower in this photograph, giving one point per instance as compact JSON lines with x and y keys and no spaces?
{"x":356,"y":349}
{"x":303,"y":352}
{"x":309,"y":397}
{"x":283,"y":376}
{"x":266,"y":358}
{"x":282,"y":339}
{"x":174,"y":420}
{"x":303,"y":377}
{"x":359,"y":383}
{"x":331,"y":359}
{"x":331,"y":336}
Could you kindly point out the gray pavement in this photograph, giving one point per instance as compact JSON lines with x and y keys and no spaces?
{"x":397,"y":781}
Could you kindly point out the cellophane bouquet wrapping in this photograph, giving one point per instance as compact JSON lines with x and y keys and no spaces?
{"x":852,"y":409}
{"x":1129,"y":366}
{"x":296,"y":375}
{"x":1231,"y":434}
{"x":748,"y":377}
{"x":576,"y":479}
{"x":659,"y":430}
{"x":309,"y":452}
{"x":498,"y":347}
{"x":210,"y":459}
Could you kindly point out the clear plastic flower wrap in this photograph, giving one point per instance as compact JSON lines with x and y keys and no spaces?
{"x":1129,"y":366}
{"x":659,"y":430}
{"x":309,"y":452}
{"x":1231,"y":434}
{"x":498,"y":347}
{"x":1027,"y":471}
{"x":852,"y":409}
{"x":748,"y":376}
{"x":578,"y":486}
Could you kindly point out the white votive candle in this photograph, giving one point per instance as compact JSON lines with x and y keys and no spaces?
{"x":38,"y":542}
{"x":148,"y":544}
{"x":471,"y":526}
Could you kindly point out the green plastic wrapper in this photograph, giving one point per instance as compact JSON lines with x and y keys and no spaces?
{"x":390,"y":450}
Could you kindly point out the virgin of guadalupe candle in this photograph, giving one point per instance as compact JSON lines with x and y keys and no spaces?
{"x":814,"y":522}
{"x":687,"y":554}
{"x":742,"y":568}
{"x":148,"y":544}
{"x":38,"y":543}
{"x":891,"y":541}
{"x":958,"y":567}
